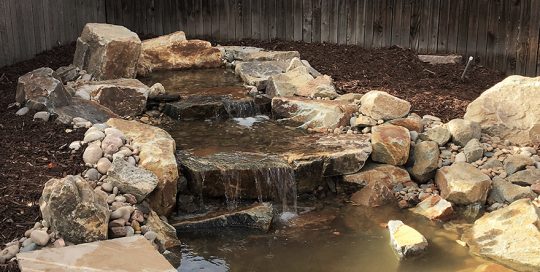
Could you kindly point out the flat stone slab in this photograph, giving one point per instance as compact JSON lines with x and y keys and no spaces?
{"x":89,"y":110}
{"x":133,"y":253}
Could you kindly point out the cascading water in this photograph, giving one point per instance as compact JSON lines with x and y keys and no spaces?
{"x":241,"y":108}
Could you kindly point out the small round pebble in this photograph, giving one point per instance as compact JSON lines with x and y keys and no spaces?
{"x":150,"y":236}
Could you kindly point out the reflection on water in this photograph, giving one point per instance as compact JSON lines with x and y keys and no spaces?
{"x":198,"y":82}
{"x":354,"y":240}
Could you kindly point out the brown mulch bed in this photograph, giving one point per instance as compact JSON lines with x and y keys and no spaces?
{"x":30,"y":152}
{"x":432,"y":89}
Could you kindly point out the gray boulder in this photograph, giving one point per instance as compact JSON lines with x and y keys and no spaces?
{"x":463,"y":131}
{"x":40,"y":90}
{"x":131,"y":179}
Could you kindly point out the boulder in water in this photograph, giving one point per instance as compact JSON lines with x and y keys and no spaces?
{"x":406,"y":241}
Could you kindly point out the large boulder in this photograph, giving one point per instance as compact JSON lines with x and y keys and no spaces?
{"x":131,"y":179}
{"x":504,"y":191}
{"x":82,"y":108}
{"x":406,"y":241}
{"x":426,"y":159}
{"x":391,"y":144}
{"x":173,"y":51}
{"x":463,"y":131}
{"x":72,"y":208}
{"x":107,"y":51}
{"x":257,"y":73}
{"x":314,"y":114}
{"x":509,"y":236}
{"x":40,"y":90}
{"x":375,"y":194}
{"x":381,"y":105}
{"x":388,"y":174}
{"x":434,"y":207}
{"x":125,"y":97}
{"x":463,"y":184}
{"x":510,"y":110}
{"x":525,"y":177}
{"x":156,"y":153}
{"x":321,"y":86}
{"x":288,"y":83}
{"x":515,"y":163}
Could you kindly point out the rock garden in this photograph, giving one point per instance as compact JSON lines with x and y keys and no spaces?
{"x":192,"y":152}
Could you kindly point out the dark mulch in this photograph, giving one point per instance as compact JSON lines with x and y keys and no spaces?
{"x":30,"y":152}
{"x":432,"y":89}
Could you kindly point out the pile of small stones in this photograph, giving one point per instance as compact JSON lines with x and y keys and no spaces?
{"x":409,"y":194}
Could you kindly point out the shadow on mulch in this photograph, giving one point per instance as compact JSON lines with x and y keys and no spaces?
{"x":432,"y":89}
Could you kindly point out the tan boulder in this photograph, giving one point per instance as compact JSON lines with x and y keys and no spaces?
{"x":434,"y":208}
{"x":509,"y":110}
{"x":107,"y":51}
{"x":406,"y":241}
{"x":321,"y":86}
{"x":412,"y":123}
{"x":375,"y":194}
{"x":124,"y":96}
{"x":426,"y":158}
{"x":315,"y":114}
{"x":509,"y":236}
{"x":166,"y":234}
{"x":381,"y":105}
{"x":463,"y":184}
{"x":391,"y":144}
{"x":157,"y":150}
{"x":173,"y":51}
{"x":388,"y":174}
{"x":287,"y":84}
{"x":463,"y":131}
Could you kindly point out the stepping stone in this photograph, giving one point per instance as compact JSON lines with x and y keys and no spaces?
{"x":97,"y":256}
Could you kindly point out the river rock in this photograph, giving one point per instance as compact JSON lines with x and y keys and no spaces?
{"x":525,"y":177}
{"x":463,"y":131}
{"x":503,"y":191}
{"x":92,"y":174}
{"x":314,"y":114}
{"x":381,"y":105}
{"x":473,"y":150}
{"x":391,"y":144}
{"x":256,"y":217}
{"x":72,"y":208}
{"x":509,"y":236}
{"x":509,"y":110}
{"x":107,"y":51}
{"x":165,"y":234}
{"x":288,"y":84}
{"x":426,"y":158}
{"x":388,"y":174}
{"x":516,"y":163}
{"x":111,"y":144}
{"x":40,"y":237}
{"x":406,"y":241}
{"x":375,"y":194}
{"x":8,"y":252}
{"x":173,"y":51}
{"x":463,"y":184}
{"x":103,"y":165}
{"x":92,"y":154}
{"x":39,"y":90}
{"x":124,"y":96}
{"x":22,"y":111}
{"x":435,"y":208}
{"x":156,"y":154}
{"x":93,"y":136}
{"x":131,"y":179}
{"x":438,"y":134}
{"x":257,"y":73}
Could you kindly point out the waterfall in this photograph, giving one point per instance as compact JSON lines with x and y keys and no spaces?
{"x":241,"y":108}
{"x":283,"y":183}
{"x":231,"y":182}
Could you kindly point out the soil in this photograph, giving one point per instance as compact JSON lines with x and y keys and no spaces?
{"x":432,"y":89}
{"x":31,"y":152}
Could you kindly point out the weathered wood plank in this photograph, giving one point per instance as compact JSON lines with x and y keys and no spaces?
{"x":523,"y":42}
{"x":472,"y":32}
{"x":388,"y":17}
{"x":239,"y":25}
{"x":369,"y":25}
{"x":333,"y":21}
{"x":215,"y":19}
{"x":246,"y":11}
{"x":264,"y":20}
{"x":351,"y":12}
{"x":533,"y":62}
{"x":512,"y":33}
{"x":256,"y":19}
{"x":325,"y":20}
{"x":406,"y":18}
{"x":359,"y":22}
{"x":434,"y":27}
{"x":281,"y":25}
{"x":442,"y":37}
{"x":298,"y":14}
{"x":397,"y":29}
{"x":272,"y":19}
{"x":482,"y":31}
{"x":289,"y":20}
{"x":491,"y":32}
{"x":307,"y":23}
{"x":231,"y":28}
{"x":342,"y":21}
{"x":316,"y":21}
{"x":5,"y":34}
{"x":207,"y":18}
{"x":463,"y":27}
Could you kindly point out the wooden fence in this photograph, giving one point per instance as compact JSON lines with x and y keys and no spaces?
{"x":503,"y":34}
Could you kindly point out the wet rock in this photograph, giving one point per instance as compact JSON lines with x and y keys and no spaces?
{"x":381,"y":105}
{"x":117,"y":232}
{"x":131,"y":179}
{"x":314,"y":114}
{"x":435,"y":208}
{"x":525,"y":177}
{"x":257,"y":73}
{"x":92,"y":154}
{"x":462,"y":184}
{"x":375,"y":194}
{"x":107,"y":51}
{"x":516,"y":163}
{"x":473,"y":150}
{"x":74,"y":210}
{"x":509,"y":236}
{"x":391,"y":144}
{"x":256,"y":217}
{"x":125,"y":97}
{"x":438,"y":134}
{"x":503,"y":191}
{"x":388,"y":174}
{"x":156,"y":154}
{"x":463,"y":131}
{"x":426,"y":157}
{"x":39,"y":90}
{"x":406,"y":241}
{"x":412,"y":123}
{"x":165,"y":234}
{"x":202,"y":107}
{"x":173,"y":51}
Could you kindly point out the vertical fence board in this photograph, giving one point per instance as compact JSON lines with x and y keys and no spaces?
{"x":482,"y":32}
{"x":534,"y":40}
{"x":246,"y":10}
{"x":264,"y":20}
{"x":472,"y":32}
{"x":389,"y":13}
{"x":523,"y":43}
{"x":434,"y":27}
{"x":307,"y":20}
{"x":256,"y":19}
{"x":325,"y":21}
{"x":316,"y":21}
{"x":351,"y":12}
{"x":512,"y":32}
{"x":342,"y":21}
{"x":298,"y":14}
{"x":281,"y":26}
{"x":272,"y":19}
{"x":360,"y":22}
{"x":289,"y":20}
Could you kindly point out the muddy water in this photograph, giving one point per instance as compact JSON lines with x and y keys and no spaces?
{"x":199,"y":82}
{"x":345,"y":239}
